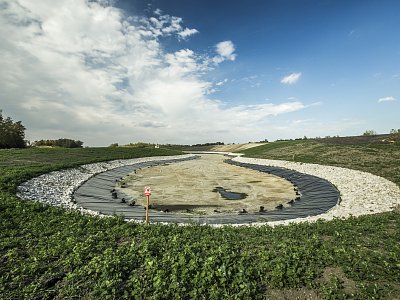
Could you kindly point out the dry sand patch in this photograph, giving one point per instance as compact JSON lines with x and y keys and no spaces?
{"x":190,"y":187}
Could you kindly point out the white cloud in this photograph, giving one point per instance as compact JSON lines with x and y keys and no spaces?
{"x":225,"y":51}
{"x":85,"y":70}
{"x":158,"y":12}
{"x":165,"y":25}
{"x":219,"y":83}
{"x":187,"y":32}
{"x":386,"y":99}
{"x":291,"y":78}
{"x":302,"y":121}
{"x":253,"y":113}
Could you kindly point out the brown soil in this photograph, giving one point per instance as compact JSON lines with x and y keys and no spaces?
{"x":189,"y":187}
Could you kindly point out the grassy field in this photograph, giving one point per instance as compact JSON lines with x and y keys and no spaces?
{"x":52,"y":253}
{"x":379,"y":159}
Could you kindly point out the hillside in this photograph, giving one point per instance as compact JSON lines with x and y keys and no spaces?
{"x":235,"y":147}
{"x":52,"y":253}
{"x":377,"y":158}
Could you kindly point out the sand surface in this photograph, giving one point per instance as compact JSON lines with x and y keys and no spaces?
{"x":189,"y":187}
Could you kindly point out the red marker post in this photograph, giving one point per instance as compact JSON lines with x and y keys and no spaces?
{"x":147,"y":193}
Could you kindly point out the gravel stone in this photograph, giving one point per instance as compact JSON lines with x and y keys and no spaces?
{"x":361,"y":193}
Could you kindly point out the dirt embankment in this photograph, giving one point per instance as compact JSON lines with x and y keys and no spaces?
{"x":235,"y":147}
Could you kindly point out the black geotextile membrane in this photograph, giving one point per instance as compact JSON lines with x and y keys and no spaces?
{"x":316,"y":196}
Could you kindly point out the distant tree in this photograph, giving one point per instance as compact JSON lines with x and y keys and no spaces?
{"x":369,"y":132}
{"x":64,"y":143}
{"x":395,"y":134}
{"x":12,"y":134}
{"x":394,"y":131}
{"x":114,"y":145}
{"x":210,"y":144}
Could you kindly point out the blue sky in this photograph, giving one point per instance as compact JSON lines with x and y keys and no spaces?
{"x":200,"y":71}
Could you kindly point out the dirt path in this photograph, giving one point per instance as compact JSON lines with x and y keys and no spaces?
{"x":190,"y":187}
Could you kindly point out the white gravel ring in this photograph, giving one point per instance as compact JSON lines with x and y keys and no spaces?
{"x":57,"y":188}
{"x":361,"y":193}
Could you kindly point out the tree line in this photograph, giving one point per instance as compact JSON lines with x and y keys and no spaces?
{"x":12,"y":133}
{"x":66,"y":143}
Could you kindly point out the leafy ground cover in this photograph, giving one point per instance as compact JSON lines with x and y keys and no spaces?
{"x":51,"y":253}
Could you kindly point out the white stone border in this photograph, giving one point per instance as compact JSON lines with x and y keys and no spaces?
{"x":57,"y":188}
{"x":361,"y":193}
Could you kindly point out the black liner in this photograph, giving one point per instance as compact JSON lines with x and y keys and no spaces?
{"x":317,"y":196}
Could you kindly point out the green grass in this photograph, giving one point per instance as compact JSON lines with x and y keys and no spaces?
{"x":17,"y":165}
{"x":52,"y":253}
{"x":378,"y":159}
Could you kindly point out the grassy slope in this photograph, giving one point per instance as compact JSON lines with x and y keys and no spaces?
{"x":379,"y":159}
{"x":47,"y":252}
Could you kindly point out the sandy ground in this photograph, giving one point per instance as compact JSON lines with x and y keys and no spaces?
{"x":188,"y":186}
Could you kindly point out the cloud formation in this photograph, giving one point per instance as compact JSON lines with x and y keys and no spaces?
{"x":85,"y":70}
{"x":225,"y":51}
{"x":386,"y":99}
{"x":219,"y":83}
{"x":187,"y":32}
{"x":291,"y":78}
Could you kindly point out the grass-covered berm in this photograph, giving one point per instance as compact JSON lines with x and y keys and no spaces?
{"x":52,"y":253}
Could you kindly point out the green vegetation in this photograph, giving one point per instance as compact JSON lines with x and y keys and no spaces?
{"x":66,"y":143}
{"x":12,"y":133}
{"x":395,"y":134}
{"x":48,"y":252}
{"x":18,"y":165}
{"x":378,"y":158}
{"x":369,"y":132}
